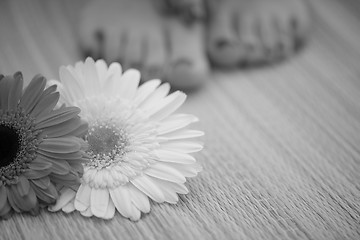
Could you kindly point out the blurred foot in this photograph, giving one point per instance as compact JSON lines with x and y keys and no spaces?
{"x":187,"y":10}
{"x":136,"y":34}
{"x":248,"y":32}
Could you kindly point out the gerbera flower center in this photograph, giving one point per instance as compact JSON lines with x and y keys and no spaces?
{"x":107,"y":144}
{"x":9,"y":145}
{"x":18,"y":143}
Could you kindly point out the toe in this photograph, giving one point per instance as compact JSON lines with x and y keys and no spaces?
{"x":185,"y":75}
{"x":92,"y":42}
{"x":113,"y":48}
{"x":302,"y":18}
{"x":223,"y":43}
{"x":91,"y":32}
{"x":300,"y":24}
{"x":249,"y":34}
{"x":188,"y":66}
{"x":134,"y":51}
{"x":155,"y":57}
{"x":286,"y":44}
{"x":269,"y":38}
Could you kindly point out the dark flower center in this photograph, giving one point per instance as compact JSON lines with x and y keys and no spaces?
{"x":18,"y":143}
{"x":103,"y":140}
{"x":107,"y":144}
{"x":9,"y":145}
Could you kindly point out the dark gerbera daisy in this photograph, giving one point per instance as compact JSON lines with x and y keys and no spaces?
{"x":41,"y":148}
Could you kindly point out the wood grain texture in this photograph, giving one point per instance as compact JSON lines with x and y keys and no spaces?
{"x":282,"y":144}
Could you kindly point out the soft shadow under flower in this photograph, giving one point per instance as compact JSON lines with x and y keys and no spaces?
{"x":137,"y":147}
{"x":40,"y":145}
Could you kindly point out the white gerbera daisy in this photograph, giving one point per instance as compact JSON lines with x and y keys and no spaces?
{"x":137,"y":147}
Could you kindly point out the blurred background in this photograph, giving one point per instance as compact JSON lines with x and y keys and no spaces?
{"x":282,"y":144}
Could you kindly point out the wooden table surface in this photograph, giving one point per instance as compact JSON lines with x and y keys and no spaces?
{"x":282,"y":144}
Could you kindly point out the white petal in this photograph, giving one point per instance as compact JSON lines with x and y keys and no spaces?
{"x":122,"y":201}
{"x":136,"y":214}
{"x":66,"y":195}
{"x":91,"y":77}
{"x":110,"y":211}
{"x":145,"y":90}
{"x":99,"y":201}
{"x":167,"y":173}
{"x":139,"y":199}
{"x":108,"y":180}
{"x":182,"y":146}
{"x":101,"y":68}
{"x":168,"y":191}
{"x":82,"y":200}
{"x":176,"y":187}
{"x":188,"y":170}
{"x":161,"y":103}
{"x":175,"y":122}
{"x":169,"y":156}
{"x":147,"y":186}
{"x":78,"y":74}
{"x":78,"y":69}
{"x":86,"y":213}
{"x":138,"y":129}
{"x":170,"y":104}
{"x":114,"y":67}
{"x":71,"y":84}
{"x":68,"y":208}
{"x":112,"y":84}
{"x":170,"y":197}
{"x":118,"y":176}
{"x":181,"y":134}
{"x":155,"y":97}
{"x":89,"y":173}
{"x":130,"y":81}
